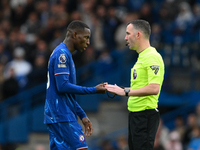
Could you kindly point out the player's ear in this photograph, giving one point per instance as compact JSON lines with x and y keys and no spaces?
{"x":74,"y":34}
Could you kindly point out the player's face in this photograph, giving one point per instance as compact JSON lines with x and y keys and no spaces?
{"x":131,"y":37}
{"x":82,"y":40}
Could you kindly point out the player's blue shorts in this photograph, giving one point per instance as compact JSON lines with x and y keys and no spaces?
{"x":66,"y":136}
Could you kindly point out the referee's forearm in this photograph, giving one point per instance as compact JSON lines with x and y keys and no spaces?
{"x":151,"y":89}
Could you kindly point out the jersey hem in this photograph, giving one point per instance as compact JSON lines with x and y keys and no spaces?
{"x":81,"y":148}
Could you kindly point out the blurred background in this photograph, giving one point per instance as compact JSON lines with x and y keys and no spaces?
{"x":31,"y":29}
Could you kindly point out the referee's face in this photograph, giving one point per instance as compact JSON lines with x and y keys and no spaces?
{"x":131,"y":37}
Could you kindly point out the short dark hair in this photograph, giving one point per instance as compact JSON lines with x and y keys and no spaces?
{"x":142,"y":25}
{"x":77,"y":25}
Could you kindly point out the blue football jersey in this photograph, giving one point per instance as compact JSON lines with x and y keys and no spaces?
{"x":60,"y":104}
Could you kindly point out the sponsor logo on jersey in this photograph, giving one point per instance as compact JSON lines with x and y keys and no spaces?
{"x":62,"y":66}
{"x":155,"y":68}
{"x":81,"y":138}
{"x":62,"y":58}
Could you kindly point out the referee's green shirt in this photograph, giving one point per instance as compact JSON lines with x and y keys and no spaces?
{"x":149,"y":69}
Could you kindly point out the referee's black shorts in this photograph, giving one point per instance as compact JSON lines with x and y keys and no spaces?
{"x":143,"y":126}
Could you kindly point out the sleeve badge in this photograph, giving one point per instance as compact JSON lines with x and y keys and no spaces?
{"x":62,"y":58}
{"x":155,"y":68}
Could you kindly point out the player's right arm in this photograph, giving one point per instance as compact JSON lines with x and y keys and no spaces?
{"x":64,"y":86}
{"x":64,"y":83}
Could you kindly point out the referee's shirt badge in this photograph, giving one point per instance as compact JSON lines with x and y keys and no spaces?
{"x":134,"y":74}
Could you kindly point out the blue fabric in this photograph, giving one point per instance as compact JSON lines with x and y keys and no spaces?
{"x":66,"y":136}
{"x":61,"y":105}
{"x":194,"y":144}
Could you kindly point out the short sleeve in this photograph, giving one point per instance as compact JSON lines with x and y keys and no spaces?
{"x":153,"y":69}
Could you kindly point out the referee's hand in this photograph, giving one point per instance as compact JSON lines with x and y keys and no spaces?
{"x":114,"y":89}
{"x":88,"y":126}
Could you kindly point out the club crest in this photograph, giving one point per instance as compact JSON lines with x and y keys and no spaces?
{"x":62,"y":58}
{"x":81,"y":138}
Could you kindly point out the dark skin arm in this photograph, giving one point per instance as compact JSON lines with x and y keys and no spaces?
{"x":88,"y":126}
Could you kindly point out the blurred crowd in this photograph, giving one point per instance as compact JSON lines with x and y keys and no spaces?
{"x":31,"y":29}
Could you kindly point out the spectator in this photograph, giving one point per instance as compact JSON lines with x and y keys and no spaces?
{"x":75,"y":15}
{"x":107,"y":3}
{"x":122,"y":8}
{"x":146,"y":13}
{"x":18,"y":16}
{"x":10,"y":86}
{"x":20,"y":66}
{"x":87,"y":9}
{"x":184,"y":17}
{"x":156,"y":36}
{"x":122,"y":143}
{"x":196,"y":19}
{"x":70,"y":5}
{"x":40,"y":147}
{"x":180,"y":126}
{"x":42,"y":8}
{"x":6,"y":10}
{"x":31,"y":27}
{"x":88,"y":55}
{"x":194,"y":144}
{"x":6,"y":26}
{"x":97,"y":35}
{"x":15,"y":3}
{"x":12,"y":40}
{"x":107,"y":145}
{"x":56,"y":39}
{"x":198,"y":113}
{"x":4,"y":54}
{"x":41,"y":49}
{"x":174,"y":142}
{"x":162,"y":135}
{"x":38,"y":75}
{"x":120,"y":34}
{"x":1,"y":80}
{"x":3,"y":37}
{"x":21,"y":41}
{"x":191,"y":124}
{"x":111,"y":23}
{"x":157,"y":144}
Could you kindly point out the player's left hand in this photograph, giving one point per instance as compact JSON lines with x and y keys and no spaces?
{"x":88,"y":126}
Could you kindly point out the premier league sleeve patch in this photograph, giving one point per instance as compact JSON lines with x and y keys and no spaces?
{"x":155,"y":68}
{"x":62,"y":58}
{"x":81,"y":138}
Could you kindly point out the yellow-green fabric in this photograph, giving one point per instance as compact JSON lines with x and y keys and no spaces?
{"x":149,"y":69}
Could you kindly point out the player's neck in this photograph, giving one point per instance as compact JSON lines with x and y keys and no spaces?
{"x":144,"y":45}
{"x":69,"y":45}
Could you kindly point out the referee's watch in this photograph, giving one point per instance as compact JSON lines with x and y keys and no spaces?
{"x":126,"y":91}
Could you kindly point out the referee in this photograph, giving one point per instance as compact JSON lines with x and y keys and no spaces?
{"x":146,"y":80}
